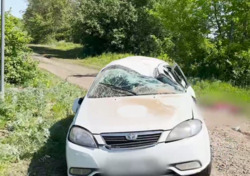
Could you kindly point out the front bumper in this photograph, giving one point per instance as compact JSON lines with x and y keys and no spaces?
{"x":163,"y":156}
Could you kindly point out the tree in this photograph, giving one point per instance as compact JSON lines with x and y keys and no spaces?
{"x":210,"y":37}
{"x":117,"y":26}
{"x":48,"y":19}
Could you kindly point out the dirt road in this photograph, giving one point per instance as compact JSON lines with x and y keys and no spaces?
{"x":72,"y":73}
{"x":231,"y":147}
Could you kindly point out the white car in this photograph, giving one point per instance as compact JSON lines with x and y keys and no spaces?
{"x":138,"y":118}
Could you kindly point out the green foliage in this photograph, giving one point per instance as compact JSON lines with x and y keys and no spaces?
{"x":210,"y":37}
{"x":19,"y":67}
{"x":48,"y":20}
{"x":117,"y":26}
{"x":15,"y":37}
{"x":103,"y":25}
{"x":65,"y":46}
{"x":27,"y":115}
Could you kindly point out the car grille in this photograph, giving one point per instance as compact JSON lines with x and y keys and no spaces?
{"x":122,"y":141}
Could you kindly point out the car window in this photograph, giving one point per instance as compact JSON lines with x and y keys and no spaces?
{"x":117,"y":81}
{"x":180,"y":77}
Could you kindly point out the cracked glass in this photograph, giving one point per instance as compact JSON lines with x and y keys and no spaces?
{"x":118,"y":81}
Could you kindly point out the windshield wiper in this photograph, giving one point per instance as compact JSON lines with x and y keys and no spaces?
{"x":118,"y":88}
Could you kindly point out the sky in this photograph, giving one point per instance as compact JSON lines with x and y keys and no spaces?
{"x":17,"y":7}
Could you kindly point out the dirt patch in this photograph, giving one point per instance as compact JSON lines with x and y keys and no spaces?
{"x":17,"y":169}
{"x":72,"y":73}
{"x":4,"y":133}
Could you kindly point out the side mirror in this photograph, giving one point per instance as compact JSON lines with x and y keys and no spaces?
{"x":77,"y":104}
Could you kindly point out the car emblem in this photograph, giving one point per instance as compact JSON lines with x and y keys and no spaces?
{"x":131,"y":136}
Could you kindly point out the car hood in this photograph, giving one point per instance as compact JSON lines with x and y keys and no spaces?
{"x":135,"y":113}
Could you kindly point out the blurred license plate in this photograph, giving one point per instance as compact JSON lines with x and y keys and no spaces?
{"x":128,"y":166}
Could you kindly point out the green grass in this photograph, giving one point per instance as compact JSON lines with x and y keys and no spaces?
{"x":34,"y":120}
{"x":212,"y":92}
{"x":62,"y":50}
{"x":65,"y":46}
{"x":74,"y":53}
{"x":100,"y":61}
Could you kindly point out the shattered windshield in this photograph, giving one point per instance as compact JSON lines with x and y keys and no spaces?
{"x":118,"y":81}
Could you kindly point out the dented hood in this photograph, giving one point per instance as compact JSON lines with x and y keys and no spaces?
{"x":135,"y":113}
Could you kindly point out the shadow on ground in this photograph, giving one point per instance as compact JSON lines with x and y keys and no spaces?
{"x":83,"y":76}
{"x":63,"y":54}
{"x":50,"y":159}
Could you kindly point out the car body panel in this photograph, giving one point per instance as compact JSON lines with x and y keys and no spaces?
{"x":143,"y":65}
{"x":134,"y":113}
{"x":196,"y":148}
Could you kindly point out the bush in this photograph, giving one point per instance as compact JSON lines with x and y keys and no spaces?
{"x":230,"y":63}
{"x":117,"y":26}
{"x":19,"y":67}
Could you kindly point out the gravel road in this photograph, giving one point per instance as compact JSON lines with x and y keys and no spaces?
{"x":231,"y":147}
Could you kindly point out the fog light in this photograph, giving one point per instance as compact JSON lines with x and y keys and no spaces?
{"x":188,"y":166}
{"x":80,"y":171}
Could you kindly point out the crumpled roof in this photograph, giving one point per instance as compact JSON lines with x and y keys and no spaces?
{"x":143,"y":65}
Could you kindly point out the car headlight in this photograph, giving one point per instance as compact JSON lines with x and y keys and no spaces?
{"x":184,"y":130}
{"x":81,"y":137}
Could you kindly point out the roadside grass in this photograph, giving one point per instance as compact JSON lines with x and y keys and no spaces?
{"x":214,"y":92}
{"x":62,"y":50}
{"x":65,"y":46}
{"x":74,"y":53}
{"x":98,"y":62}
{"x":34,"y":120}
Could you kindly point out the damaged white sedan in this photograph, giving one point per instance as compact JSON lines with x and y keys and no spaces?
{"x":138,"y":118}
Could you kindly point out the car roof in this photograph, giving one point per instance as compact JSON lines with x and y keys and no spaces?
{"x":141,"y":64}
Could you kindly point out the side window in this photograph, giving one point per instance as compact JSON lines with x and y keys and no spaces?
{"x":164,"y":70}
{"x":179,"y":76}
{"x":174,"y":73}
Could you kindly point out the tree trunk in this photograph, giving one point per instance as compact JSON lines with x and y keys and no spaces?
{"x":216,"y":19}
